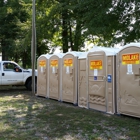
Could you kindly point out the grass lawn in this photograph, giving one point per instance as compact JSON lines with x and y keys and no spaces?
{"x":24,"y":116}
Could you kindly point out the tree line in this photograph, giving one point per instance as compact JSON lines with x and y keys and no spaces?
{"x":66,"y":23}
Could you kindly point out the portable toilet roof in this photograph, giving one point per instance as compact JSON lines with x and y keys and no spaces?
{"x":83,"y":55}
{"x":108,"y":51}
{"x":131,"y":44}
{"x":60,"y":55}
{"x":74,"y":53}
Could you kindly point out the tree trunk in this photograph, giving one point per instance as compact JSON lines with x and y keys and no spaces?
{"x":77,"y":38}
{"x":4,"y":54}
{"x":16,"y":57}
{"x":70,"y":37}
{"x":24,"y":59}
{"x":64,"y":31}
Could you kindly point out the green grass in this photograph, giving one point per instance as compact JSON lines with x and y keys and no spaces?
{"x":27,"y":117}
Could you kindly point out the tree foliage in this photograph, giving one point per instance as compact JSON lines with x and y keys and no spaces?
{"x":129,"y":21}
{"x":13,"y":28}
{"x":66,"y":23}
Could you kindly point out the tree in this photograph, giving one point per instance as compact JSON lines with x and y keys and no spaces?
{"x":129,"y":13}
{"x":111,"y":22}
{"x":67,"y":24}
{"x":8,"y":27}
{"x":61,"y":24}
{"x":14,"y":25}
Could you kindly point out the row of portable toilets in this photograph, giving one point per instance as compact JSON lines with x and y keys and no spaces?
{"x":104,"y":79}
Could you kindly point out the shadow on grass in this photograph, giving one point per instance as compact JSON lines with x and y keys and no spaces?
{"x":24,"y":116}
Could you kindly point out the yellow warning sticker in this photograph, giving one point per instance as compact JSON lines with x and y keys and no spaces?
{"x":42,"y":63}
{"x":68,"y":62}
{"x":130,"y":59}
{"x":96,"y":64}
{"x":54,"y":63}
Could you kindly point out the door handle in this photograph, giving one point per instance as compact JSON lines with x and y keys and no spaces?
{"x":104,"y":78}
{"x":2,"y":74}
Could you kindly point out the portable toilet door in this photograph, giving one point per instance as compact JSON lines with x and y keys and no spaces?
{"x":82,"y":81}
{"x":70,"y":77}
{"x":101,"y":79}
{"x":55,"y":76}
{"x":42,"y":78}
{"x":128,"y":80}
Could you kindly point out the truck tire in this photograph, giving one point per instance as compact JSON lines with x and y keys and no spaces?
{"x":29,"y":85}
{"x":26,"y":86}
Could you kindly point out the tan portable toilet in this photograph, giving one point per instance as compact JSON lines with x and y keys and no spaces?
{"x":128,"y":80}
{"x":82,"y":81}
{"x":55,"y":76}
{"x":43,"y":76}
{"x":70,"y":77}
{"x":101,"y":79}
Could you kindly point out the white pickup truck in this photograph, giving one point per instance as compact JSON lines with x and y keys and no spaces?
{"x":12,"y":74}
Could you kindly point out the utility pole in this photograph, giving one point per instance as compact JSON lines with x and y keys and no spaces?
{"x":33,"y":49}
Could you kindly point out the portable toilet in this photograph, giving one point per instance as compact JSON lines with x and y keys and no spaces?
{"x":43,"y":75}
{"x":82,"y":81}
{"x":70,"y":77}
{"x":128,"y":80}
{"x":55,"y":76}
{"x":101,"y":79}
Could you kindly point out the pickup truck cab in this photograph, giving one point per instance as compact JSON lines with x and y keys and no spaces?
{"x":12,"y":74}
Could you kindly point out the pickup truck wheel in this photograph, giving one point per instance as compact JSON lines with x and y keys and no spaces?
{"x":29,"y":85}
{"x":26,"y":86}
